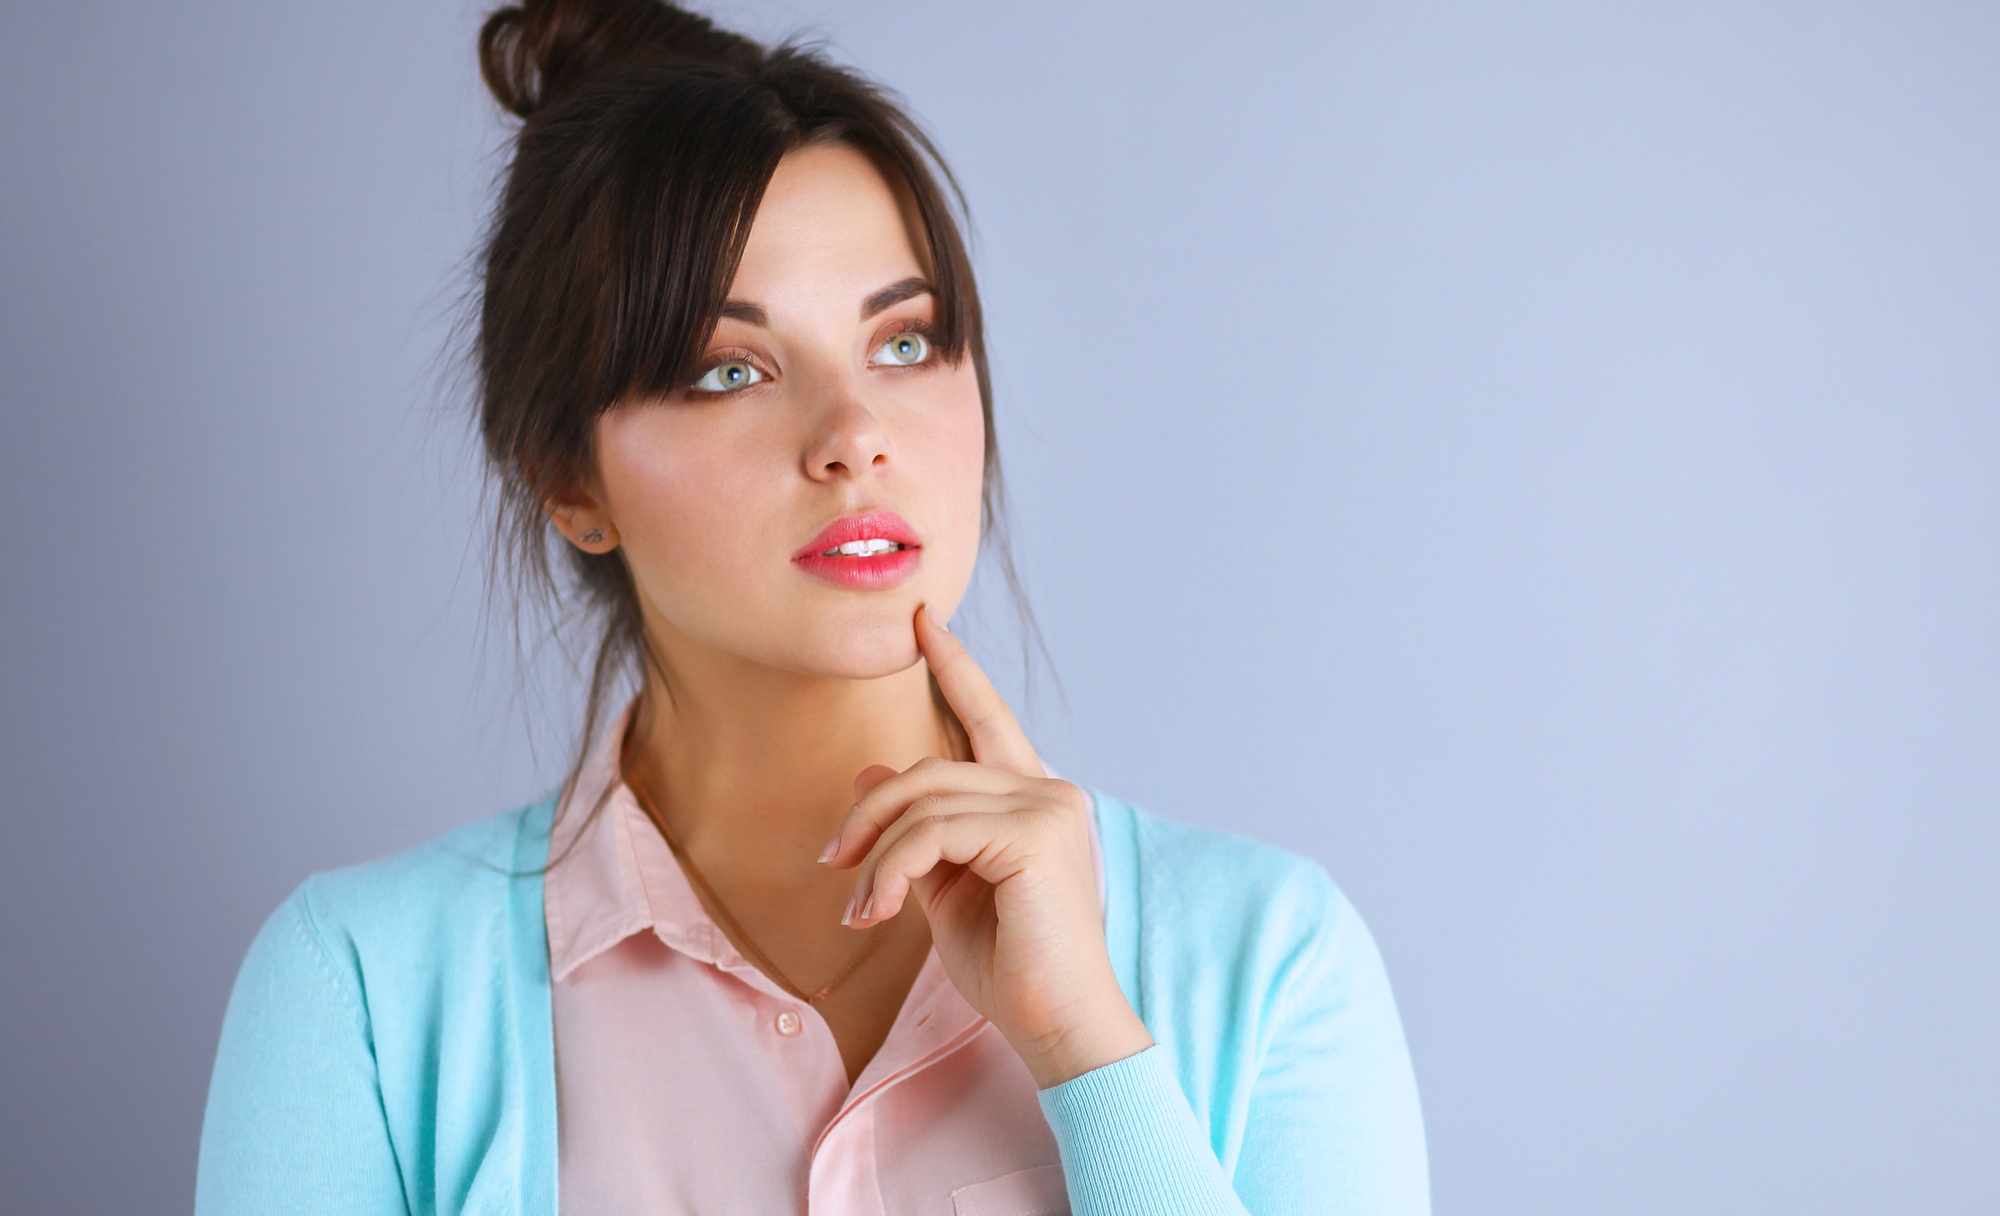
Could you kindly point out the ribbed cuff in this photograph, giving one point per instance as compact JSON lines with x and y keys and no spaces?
{"x":1131,"y":1146}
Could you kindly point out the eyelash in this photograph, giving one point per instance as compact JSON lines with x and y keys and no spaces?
{"x":924,"y":329}
{"x":718,"y":359}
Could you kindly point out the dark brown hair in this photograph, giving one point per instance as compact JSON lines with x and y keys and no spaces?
{"x":647,"y":139}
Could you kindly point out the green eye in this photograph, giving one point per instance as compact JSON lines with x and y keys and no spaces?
{"x":728,"y":377}
{"x":902,"y":350}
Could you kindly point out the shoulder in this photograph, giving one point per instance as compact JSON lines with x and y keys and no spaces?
{"x":389,"y":1017}
{"x":1217,"y":930}
{"x":444,"y":902}
{"x":1260,"y":980}
{"x":479,"y":861}
{"x":1204,"y":885}
{"x":1213,"y":871}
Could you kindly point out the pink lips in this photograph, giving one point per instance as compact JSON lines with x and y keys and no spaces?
{"x":863,"y":572}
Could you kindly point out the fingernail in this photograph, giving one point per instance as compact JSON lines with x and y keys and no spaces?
{"x":868,"y":909}
{"x":847,"y":917}
{"x":934,"y":619}
{"x":832,"y":847}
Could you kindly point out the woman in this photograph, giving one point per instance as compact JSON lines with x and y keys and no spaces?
{"x":810,"y":928}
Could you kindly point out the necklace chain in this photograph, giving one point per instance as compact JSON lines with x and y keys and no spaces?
{"x":721,"y":910}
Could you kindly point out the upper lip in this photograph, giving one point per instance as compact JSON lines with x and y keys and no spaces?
{"x":874,"y":525}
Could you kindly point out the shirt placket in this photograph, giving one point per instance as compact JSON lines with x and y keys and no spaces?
{"x":798,"y":1043}
{"x":842,"y":1179}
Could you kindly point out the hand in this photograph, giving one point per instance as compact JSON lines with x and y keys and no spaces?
{"x":998,"y":856}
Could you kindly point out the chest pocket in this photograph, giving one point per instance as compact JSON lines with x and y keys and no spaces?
{"x":1036,"y":1192}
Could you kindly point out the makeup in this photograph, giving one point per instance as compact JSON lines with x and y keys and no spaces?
{"x":871,"y":552}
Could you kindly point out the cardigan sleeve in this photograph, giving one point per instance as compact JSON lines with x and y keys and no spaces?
{"x":1130,"y":1144}
{"x":1332,"y":1126}
{"x":295,"y":1123}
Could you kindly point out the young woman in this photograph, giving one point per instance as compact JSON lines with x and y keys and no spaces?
{"x":810,"y":929}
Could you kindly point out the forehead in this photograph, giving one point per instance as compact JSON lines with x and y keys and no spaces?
{"x":829,"y":225}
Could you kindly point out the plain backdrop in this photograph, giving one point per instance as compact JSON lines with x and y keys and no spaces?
{"x":1541,"y":460}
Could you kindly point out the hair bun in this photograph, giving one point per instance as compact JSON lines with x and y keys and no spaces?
{"x":532,"y":52}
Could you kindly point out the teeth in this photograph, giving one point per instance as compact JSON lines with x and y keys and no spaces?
{"x":862,"y":548}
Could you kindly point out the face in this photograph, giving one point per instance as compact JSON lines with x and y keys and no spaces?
{"x":821,"y":477}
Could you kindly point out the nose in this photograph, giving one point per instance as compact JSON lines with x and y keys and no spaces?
{"x":847,"y":438}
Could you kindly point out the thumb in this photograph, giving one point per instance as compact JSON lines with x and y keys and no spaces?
{"x":870,"y":777}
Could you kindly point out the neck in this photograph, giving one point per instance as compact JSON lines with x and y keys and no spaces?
{"x":750,"y":761}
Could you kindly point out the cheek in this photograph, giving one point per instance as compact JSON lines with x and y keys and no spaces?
{"x":684,"y":498}
{"x":953,"y":468}
{"x":957,"y":459}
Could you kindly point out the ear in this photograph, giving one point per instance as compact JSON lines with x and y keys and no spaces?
{"x":583,"y":521}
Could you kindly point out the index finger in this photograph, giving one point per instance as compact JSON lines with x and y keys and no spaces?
{"x":996,"y":738}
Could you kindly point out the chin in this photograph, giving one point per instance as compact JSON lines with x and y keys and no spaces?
{"x":870,"y":667}
{"x":861,"y":654}
{"x":842,"y":645}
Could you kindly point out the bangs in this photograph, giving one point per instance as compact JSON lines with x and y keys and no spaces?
{"x":637,"y":244}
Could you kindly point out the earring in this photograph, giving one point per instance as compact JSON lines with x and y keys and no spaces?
{"x":593,"y":536}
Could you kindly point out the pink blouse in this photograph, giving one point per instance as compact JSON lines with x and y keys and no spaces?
{"x":688,"y":1082}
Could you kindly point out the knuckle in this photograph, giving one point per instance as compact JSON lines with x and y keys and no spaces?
{"x":1064,"y":794}
{"x":922,"y":839}
{"x":911,"y":837}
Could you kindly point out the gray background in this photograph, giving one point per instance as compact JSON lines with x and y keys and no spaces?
{"x":1537,"y":458}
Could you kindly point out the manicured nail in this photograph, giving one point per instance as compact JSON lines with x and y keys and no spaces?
{"x":934,"y":619}
{"x":868,"y":909}
{"x":847,"y":917}
{"x":832,"y":847}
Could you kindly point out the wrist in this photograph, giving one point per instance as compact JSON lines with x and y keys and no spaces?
{"x":1089,"y":1041}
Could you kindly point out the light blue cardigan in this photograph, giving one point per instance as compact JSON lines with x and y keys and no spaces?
{"x":388,"y":1047}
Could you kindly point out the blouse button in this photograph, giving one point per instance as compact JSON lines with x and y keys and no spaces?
{"x":789,"y":1023}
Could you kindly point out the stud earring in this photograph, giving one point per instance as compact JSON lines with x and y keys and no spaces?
{"x":593,"y":536}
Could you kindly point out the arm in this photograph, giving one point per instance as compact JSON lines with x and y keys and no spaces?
{"x":1333,"y":1124}
{"x":295,"y":1123}
{"x":1131,"y":1146}
{"x":1332,"y":1127}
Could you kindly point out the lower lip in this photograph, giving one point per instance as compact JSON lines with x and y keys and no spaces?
{"x":878,"y":572}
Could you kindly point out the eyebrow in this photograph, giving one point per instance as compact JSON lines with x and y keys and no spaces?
{"x":894,"y":294}
{"x":890,"y":296}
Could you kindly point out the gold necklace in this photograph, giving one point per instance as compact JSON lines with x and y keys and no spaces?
{"x":729,"y":922}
